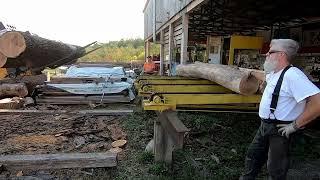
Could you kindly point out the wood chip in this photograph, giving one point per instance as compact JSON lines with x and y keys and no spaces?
{"x":115,"y":150}
{"x":118,"y":143}
{"x":19,"y":174}
{"x":116,"y":132}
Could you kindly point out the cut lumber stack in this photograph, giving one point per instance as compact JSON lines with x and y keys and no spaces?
{"x":22,"y":49}
{"x":241,"y":81}
{"x":51,"y":95}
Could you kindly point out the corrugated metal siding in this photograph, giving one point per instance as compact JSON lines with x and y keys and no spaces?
{"x":177,"y":33}
{"x":165,"y":10}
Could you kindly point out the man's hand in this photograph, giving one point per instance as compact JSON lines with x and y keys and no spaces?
{"x":287,"y":129}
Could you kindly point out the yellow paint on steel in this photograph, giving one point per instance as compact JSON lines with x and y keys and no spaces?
{"x":157,"y":107}
{"x":243,"y":42}
{"x":217,"y":106}
{"x":181,"y":88}
{"x":196,"y":99}
{"x":176,"y":81}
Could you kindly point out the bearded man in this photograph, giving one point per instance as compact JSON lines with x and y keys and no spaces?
{"x":289,"y":102}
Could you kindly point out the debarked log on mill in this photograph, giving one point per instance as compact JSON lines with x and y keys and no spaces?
{"x":240,"y":80}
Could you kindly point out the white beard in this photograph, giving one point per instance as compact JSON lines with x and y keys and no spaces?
{"x":270,"y":65}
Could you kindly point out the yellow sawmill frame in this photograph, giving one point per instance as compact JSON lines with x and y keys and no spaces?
{"x":169,"y":80}
{"x":148,"y":89}
{"x":163,"y":93}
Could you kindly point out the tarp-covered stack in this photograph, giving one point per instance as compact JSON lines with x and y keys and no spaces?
{"x":86,"y":85}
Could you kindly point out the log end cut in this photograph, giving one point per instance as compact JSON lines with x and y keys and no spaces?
{"x":3,"y":60}
{"x":12,"y":44}
{"x":249,"y":85}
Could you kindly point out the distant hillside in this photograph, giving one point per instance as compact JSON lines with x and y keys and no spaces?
{"x":119,"y":51}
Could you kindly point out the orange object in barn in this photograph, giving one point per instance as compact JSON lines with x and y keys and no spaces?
{"x":149,"y":66}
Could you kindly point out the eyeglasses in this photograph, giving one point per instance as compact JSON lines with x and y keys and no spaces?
{"x":272,"y":52}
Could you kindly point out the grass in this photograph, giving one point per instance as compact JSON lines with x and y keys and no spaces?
{"x":214,"y":148}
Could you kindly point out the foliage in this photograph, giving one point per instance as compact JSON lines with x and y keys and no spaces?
{"x":119,"y":51}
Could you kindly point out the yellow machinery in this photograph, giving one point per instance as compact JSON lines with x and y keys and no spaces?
{"x":162,"y":93}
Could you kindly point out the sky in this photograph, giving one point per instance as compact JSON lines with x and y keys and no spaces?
{"x":77,"y":22}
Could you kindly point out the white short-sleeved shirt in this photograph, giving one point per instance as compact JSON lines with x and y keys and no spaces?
{"x":295,"y":88}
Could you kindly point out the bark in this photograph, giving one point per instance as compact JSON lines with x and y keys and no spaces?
{"x":242,"y":82}
{"x":10,"y":90}
{"x":30,"y":81}
{"x":27,"y":50}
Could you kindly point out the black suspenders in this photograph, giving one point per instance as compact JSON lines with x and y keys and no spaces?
{"x":276,"y":92}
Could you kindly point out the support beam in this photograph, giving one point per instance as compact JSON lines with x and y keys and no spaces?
{"x":184,"y":40}
{"x":146,"y":49}
{"x":170,"y":47}
{"x":161,"y":52}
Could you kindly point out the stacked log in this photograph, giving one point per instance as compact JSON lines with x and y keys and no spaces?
{"x":30,"y":81}
{"x":22,"y":49}
{"x":11,"y":90}
{"x":242,"y":81}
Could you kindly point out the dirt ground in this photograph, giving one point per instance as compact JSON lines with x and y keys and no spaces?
{"x":214,"y":148}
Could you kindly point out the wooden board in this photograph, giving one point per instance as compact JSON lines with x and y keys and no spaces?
{"x":79,"y":99}
{"x":59,"y":161}
{"x":75,"y":80}
{"x":102,"y":112}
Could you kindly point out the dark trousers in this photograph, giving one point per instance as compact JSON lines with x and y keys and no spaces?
{"x":267,"y":145}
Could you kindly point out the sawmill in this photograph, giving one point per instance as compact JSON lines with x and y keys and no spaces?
{"x":226,"y":73}
{"x":215,"y":89}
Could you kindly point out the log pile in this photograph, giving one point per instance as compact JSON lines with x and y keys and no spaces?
{"x":242,"y":81}
{"x":22,"y":49}
{"x":30,"y":81}
{"x":18,"y":89}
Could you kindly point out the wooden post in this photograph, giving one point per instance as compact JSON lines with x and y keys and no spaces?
{"x":158,"y":141}
{"x":170,"y":47}
{"x":161,"y":52}
{"x":184,"y":40}
{"x":146,"y":49}
{"x":168,"y":135}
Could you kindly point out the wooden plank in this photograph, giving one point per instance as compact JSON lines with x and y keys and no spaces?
{"x":75,"y":80}
{"x":59,"y":161}
{"x":102,"y":112}
{"x":173,"y":127}
{"x":82,"y":99}
{"x":75,"y":102}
